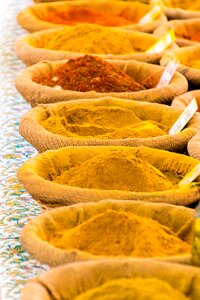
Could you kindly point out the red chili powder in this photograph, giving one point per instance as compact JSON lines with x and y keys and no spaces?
{"x":87,"y":73}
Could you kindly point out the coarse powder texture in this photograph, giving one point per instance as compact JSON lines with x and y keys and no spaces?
{"x":90,"y":73}
{"x":194,"y":64}
{"x":118,"y":233}
{"x":115,"y":170}
{"x":187,"y":5}
{"x":133,"y":288}
{"x":100,"y":122}
{"x":91,"y":38}
{"x":74,"y":15}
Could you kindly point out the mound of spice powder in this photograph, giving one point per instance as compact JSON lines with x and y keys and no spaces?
{"x":90,"y":73}
{"x":118,"y":233}
{"x":150,"y":288}
{"x":116,"y":170}
{"x":102,"y":122}
{"x":187,"y":4}
{"x":74,"y":15}
{"x":90,"y":39}
{"x":194,"y":64}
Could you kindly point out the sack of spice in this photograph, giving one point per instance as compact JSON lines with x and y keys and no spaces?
{"x":119,"y":14}
{"x":179,"y":9}
{"x":142,"y":1}
{"x":119,"y":279}
{"x":108,"y":43}
{"x":189,"y":63}
{"x":90,"y":77}
{"x":187,"y":32}
{"x":105,"y":121}
{"x":110,"y":228}
{"x":181,"y":102}
{"x":82,"y":174}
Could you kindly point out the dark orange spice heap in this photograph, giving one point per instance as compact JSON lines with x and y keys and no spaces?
{"x":75,"y":15}
{"x":90,"y":73}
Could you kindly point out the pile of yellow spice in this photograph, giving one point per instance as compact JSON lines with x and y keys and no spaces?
{"x":119,"y":233}
{"x":133,"y":288}
{"x":91,"y":38}
{"x":115,"y":170}
{"x":194,"y":64}
{"x":187,"y":4}
{"x":101,"y":122}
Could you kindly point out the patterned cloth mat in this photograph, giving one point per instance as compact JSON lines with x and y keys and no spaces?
{"x":16,"y":206}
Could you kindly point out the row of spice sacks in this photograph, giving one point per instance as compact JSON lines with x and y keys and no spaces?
{"x":113,"y":88}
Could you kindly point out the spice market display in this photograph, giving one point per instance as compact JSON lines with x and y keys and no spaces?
{"x":122,"y":14}
{"x":139,"y":73}
{"x":59,"y":43}
{"x":100,"y":165}
{"x":130,"y":211}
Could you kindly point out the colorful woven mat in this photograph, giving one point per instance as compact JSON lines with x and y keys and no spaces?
{"x":16,"y":206}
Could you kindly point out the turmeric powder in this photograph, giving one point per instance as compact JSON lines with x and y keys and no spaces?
{"x":187,"y":5}
{"x":91,"y":38}
{"x":74,"y":15}
{"x":118,"y":233}
{"x":116,"y":170}
{"x":133,"y":288}
{"x":100,"y":122}
{"x":194,"y":64}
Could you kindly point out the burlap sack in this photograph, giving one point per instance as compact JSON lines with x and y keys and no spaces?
{"x":69,"y":281}
{"x":32,"y":130}
{"x":185,"y":55}
{"x":32,"y":17}
{"x":144,"y":73}
{"x":185,"y":31}
{"x":37,"y":173}
{"x":31,"y":48}
{"x":181,"y":102}
{"x":176,"y":9}
{"x":36,"y":234}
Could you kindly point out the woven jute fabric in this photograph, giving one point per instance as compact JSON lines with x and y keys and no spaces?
{"x":32,"y":17}
{"x":144,"y":73}
{"x":176,"y":9}
{"x":185,"y":56}
{"x":32,"y":130}
{"x":31,"y":48}
{"x":36,"y":234}
{"x":69,"y":281}
{"x":36,"y":176}
{"x":181,"y":102}
{"x":185,"y":31}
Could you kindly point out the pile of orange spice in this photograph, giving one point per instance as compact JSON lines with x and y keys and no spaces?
{"x":89,"y":73}
{"x":75,"y":15}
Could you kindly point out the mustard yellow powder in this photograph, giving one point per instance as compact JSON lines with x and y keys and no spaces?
{"x":133,"y":288}
{"x":118,"y":233}
{"x":187,"y":5}
{"x":101,"y":122}
{"x":90,"y":38}
{"x":194,"y":64}
{"x":115,"y":170}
